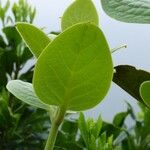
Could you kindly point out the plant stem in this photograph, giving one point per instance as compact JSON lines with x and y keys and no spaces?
{"x":54,"y":128}
{"x":118,"y":48}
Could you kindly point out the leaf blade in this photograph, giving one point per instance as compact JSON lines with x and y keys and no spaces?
{"x":33,"y":37}
{"x":145,"y":92}
{"x":135,"y":11}
{"x":76,"y":14}
{"x":74,"y":72}
{"x":24,"y":91}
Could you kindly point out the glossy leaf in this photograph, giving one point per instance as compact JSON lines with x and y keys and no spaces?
{"x":33,"y":37}
{"x":79,"y":11}
{"x":145,"y":92}
{"x":132,"y":11}
{"x":24,"y":91}
{"x":75,"y":70}
{"x":129,"y":78}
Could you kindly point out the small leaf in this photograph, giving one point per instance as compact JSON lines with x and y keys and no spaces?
{"x":75,"y":70}
{"x":24,"y":91}
{"x":130,"y":79}
{"x":145,"y":92}
{"x":119,"y":119}
{"x":132,"y":11}
{"x":79,"y":11}
{"x":98,"y":127}
{"x":33,"y":37}
{"x":83,"y":128}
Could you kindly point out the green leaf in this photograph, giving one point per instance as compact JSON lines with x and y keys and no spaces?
{"x":33,"y":37}
{"x":119,"y":119}
{"x":110,"y":129}
{"x":24,"y":91}
{"x":145,"y":92}
{"x":83,"y":128}
{"x":75,"y":70}
{"x":2,"y":42}
{"x":129,"y":78}
{"x":12,"y":35}
{"x":97,"y":127}
{"x":3,"y":78}
{"x":79,"y":11}
{"x":131,"y":11}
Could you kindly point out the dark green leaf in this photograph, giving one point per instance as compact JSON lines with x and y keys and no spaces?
{"x":119,"y":119}
{"x":130,"y":79}
{"x":12,"y":36}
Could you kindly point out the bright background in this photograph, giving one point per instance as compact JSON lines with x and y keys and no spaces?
{"x":136,"y":36}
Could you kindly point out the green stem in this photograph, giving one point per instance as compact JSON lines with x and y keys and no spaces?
{"x":54,"y":128}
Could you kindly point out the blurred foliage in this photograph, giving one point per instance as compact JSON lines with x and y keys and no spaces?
{"x":21,"y":126}
{"x":25,"y":128}
{"x":90,"y":132}
{"x":135,"y":133}
{"x":20,"y":12}
{"x":128,"y":131}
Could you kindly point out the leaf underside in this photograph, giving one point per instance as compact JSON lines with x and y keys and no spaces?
{"x":75,"y":70}
{"x":131,"y":11}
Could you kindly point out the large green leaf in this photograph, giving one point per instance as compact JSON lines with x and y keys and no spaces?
{"x":79,"y":11}
{"x":129,"y":78}
{"x":145,"y":92}
{"x":24,"y":91}
{"x":33,"y":37}
{"x":75,"y":70}
{"x":132,"y":11}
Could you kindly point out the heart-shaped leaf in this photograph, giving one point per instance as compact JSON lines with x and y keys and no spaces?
{"x":24,"y":91}
{"x":132,"y":11}
{"x":79,"y":11}
{"x":33,"y":37}
{"x":130,"y":79}
{"x":75,"y":70}
{"x":145,"y":92}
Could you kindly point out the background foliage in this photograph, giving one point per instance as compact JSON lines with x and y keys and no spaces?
{"x":17,"y":120}
{"x":26,"y":127}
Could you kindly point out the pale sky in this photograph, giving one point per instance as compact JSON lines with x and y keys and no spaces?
{"x":136,"y":36}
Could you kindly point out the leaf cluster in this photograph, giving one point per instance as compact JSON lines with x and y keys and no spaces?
{"x":17,"y":120}
{"x":135,"y":82}
{"x":73,"y":72}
